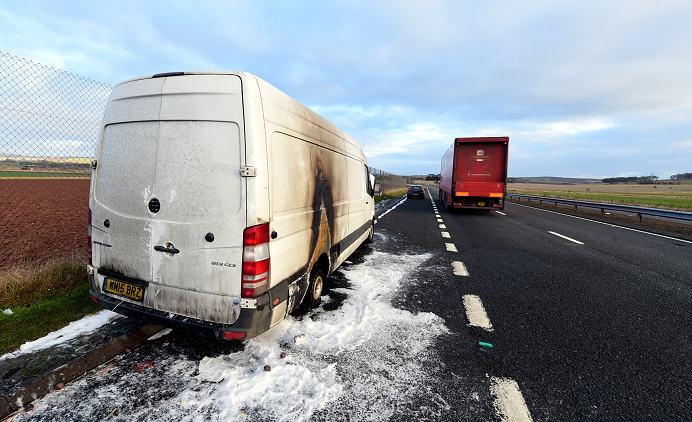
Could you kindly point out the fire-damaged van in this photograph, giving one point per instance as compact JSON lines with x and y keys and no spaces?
{"x":218,"y":204}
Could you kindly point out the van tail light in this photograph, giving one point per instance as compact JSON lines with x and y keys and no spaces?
{"x":89,"y":238}
{"x":255,"y":279}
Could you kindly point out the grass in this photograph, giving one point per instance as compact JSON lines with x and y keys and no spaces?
{"x":42,"y":298}
{"x":390,"y":195}
{"x":36,"y":174}
{"x":680,"y":201}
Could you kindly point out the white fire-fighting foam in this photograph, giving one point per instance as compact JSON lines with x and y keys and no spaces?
{"x":361,"y":361}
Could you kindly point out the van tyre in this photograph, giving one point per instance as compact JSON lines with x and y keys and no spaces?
{"x":314,"y":294}
{"x":371,"y":233}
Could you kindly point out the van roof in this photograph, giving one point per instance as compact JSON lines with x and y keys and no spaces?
{"x":305,"y":112}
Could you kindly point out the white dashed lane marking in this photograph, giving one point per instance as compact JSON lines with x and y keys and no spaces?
{"x":509,"y":402}
{"x":475,"y":312}
{"x":446,"y":235}
{"x":501,"y":213}
{"x":565,"y":237}
{"x":460,"y":269}
{"x":442,"y":226}
{"x":450,"y":247}
{"x":439,"y":220}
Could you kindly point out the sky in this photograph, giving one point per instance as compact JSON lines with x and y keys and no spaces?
{"x":582,"y":88}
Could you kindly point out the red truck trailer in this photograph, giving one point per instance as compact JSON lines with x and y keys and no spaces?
{"x":474,"y":173}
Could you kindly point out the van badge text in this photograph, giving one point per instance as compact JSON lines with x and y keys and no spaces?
{"x":222,"y":264}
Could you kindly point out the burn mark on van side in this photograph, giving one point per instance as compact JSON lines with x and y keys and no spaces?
{"x":323,"y":216}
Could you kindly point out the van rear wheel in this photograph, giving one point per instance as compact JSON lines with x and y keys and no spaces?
{"x":371,"y":233}
{"x":314,"y":293}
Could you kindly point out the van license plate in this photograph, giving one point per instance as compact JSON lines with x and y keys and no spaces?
{"x":123,"y":289}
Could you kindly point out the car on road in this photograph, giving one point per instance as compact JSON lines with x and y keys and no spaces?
{"x":415,"y":191}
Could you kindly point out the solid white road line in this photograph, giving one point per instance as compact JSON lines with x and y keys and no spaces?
{"x":446,"y":235}
{"x":475,"y":312}
{"x":509,"y":402}
{"x":460,"y":269}
{"x":450,"y":247}
{"x":565,"y":237}
{"x":501,"y":213}
{"x":605,"y":224}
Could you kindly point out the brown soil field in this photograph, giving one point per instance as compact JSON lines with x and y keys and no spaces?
{"x":42,"y":219}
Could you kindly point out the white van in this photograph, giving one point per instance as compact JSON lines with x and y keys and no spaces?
{"x":219,"y":204}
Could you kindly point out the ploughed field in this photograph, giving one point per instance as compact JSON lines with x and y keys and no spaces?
{"x":42,"y":218}
{"x":675,"y":197}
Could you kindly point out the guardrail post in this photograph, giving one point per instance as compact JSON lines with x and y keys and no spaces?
{"x":575,"y":208}
{"x":602,"y":211}
{"x":639,"y":217}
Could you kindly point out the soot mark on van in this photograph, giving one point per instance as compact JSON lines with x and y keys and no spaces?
{"x":323,"y":196}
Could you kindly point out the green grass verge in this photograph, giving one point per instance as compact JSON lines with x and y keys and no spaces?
{"x":43,"y":297}
{"x":30,"y":322}
{"x":389,"y":195}
{"x":675,"y":201}
{"x":36,"y":175}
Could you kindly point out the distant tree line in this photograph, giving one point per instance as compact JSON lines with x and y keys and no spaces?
{"x":634,"y":179}
{"x":682,"y":176}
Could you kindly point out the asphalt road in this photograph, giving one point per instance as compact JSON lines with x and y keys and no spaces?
{"x":521,"y":314}
{"x":594,"y":330}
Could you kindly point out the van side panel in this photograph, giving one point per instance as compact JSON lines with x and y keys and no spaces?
{"x":309,"y":203}
{"x":306,"y":177}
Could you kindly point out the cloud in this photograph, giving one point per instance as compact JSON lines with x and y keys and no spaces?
{"x":569,"y":82}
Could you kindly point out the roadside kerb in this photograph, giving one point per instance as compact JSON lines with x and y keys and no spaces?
{"x":39,"y":387}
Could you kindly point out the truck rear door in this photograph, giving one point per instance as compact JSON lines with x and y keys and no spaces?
{"x":480,"y":169}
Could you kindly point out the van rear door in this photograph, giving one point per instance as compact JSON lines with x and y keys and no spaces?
{"x":168,"y":180}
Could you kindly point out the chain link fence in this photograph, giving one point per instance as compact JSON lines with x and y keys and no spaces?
{"x":387,"y":182}
{"x":49,"y":125}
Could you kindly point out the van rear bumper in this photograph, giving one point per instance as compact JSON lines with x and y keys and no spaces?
{"x":252,"y":322}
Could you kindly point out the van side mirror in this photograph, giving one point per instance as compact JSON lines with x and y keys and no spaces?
{"x":371,"y":185}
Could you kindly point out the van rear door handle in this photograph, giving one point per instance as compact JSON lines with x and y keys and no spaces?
{"x":165,"y":249}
